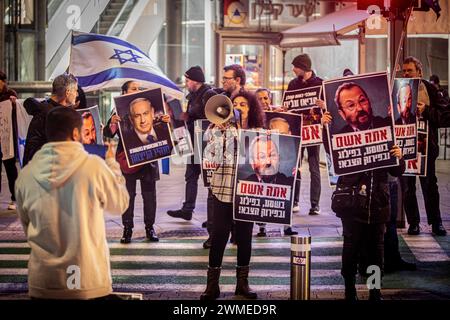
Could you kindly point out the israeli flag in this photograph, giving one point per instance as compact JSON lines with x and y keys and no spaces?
{"x":100,"y":62}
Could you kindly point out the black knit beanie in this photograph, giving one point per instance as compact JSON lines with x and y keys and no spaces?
{"x":195,"y":73}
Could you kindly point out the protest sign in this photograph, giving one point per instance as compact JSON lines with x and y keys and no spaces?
{"x":265,"y":175}
{"x":145,"y":136}
{"x":404,"y":99}
{"x":361,"y":133}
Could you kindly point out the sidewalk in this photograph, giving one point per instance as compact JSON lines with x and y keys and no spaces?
{"x":170,"y":195}
{"x":431,"y":281}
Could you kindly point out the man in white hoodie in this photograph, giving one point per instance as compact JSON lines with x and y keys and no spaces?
{"x":61,"y":197}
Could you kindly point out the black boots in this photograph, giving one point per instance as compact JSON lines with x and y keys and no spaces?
{"x":212,"y":291}
{"x":207,"y":243}
{"x":150,"y":234}
{"x":127,"y":234}
{"x":350,"y":289}
{"x":242,"y":287}
{"x":183,"y":214}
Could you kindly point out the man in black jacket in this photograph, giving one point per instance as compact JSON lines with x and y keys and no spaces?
{"x":306,"y":78}
{"x":364,"y":222}
{"x":434,"y":109}
{"x":199,"y":94}
{"x":64,"y":93}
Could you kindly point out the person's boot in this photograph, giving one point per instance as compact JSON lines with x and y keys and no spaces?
{"x":438,"y":229}
{"x":350,"y":289}
{"x":375,"y":295}
{"x":207,"y":243}
{"x":212,"y":291}
{"x":242,"y":288}
{"x":183,"y":214}
{"x":150,"y":234}
{"x":127,"y":234}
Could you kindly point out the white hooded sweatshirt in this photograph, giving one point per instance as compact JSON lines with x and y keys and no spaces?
{"x":61,"y":198}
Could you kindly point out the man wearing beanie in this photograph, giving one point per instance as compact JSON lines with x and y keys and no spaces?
{"x":199,"y":93}
{"x":306,"y":78}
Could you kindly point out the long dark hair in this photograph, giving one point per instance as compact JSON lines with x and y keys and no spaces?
{"x":256,"y":115}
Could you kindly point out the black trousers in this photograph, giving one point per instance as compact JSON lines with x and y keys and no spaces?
{"x":430,"y":196}
{"x":148,"y":189}
{"x":191,"y":176}
{"x":11,"y":173}
{"x":360,"y":236}
{"x":209,"y":212}
{"x":222,"y":223}
{"x":314,"y":170}
{"x":391,"y":249}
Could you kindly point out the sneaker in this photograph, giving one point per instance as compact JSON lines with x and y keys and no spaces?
{"x":413,"y":229}
{"x":183,"y":214}
{"x":12,"y":206}
{"x":438,"y":229}
{"x":296,"y":207}
{"x":314,"y":211}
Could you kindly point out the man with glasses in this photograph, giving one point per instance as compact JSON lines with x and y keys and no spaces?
{"x":233,"y":80}
{"x":355,"y":108}
{"x":434,"y":109}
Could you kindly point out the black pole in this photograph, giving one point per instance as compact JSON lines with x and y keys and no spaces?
{"x":283,"y":71}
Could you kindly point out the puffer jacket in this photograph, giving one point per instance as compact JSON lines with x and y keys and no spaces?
{"x":376,"y":185}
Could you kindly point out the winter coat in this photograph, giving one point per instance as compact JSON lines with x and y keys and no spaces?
{"x":438,"y":116}
{"x":375,"y":183}
{"x":61,"y":197}
{"x":36,"y":137}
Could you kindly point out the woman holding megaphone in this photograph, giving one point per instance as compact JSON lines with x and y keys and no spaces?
{"x":223,"y":133}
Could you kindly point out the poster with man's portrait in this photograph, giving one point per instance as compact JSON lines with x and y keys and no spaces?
{"x":201,"y":144}
{"x":418,"y":166}
{"x":303,"y":102}
{"x":145,"y":136}
{"x":283,"y":123}
{"x":91,"y":131}
{"x":361,"y":133}
{"x":181,"y":137}
{"x":405,"y":92}
{"x":265,"y":176}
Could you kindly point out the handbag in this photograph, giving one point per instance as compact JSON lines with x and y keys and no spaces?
{"x":346,"y":199}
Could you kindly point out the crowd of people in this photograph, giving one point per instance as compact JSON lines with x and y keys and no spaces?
{"x":62,"y":191}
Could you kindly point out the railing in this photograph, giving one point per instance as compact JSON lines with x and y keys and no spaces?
{"x":52,"y":7}
{"x":119,"y":23}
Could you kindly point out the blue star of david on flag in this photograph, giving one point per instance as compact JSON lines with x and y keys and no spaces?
{"x":132,"y":57}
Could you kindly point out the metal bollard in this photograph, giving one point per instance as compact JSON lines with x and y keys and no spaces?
{"x":300,"y":267}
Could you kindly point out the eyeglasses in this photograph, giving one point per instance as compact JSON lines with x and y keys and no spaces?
{"x":362,"y":101}
{"x":227,"y":78}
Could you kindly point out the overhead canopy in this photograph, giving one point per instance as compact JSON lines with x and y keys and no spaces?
{"x":324,"y":31}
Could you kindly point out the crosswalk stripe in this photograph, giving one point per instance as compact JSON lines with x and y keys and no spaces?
{"x":175,"y":259}
{"x":425,"y":248}
{"x":198,"y":245}
{"x":190,"y":272}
